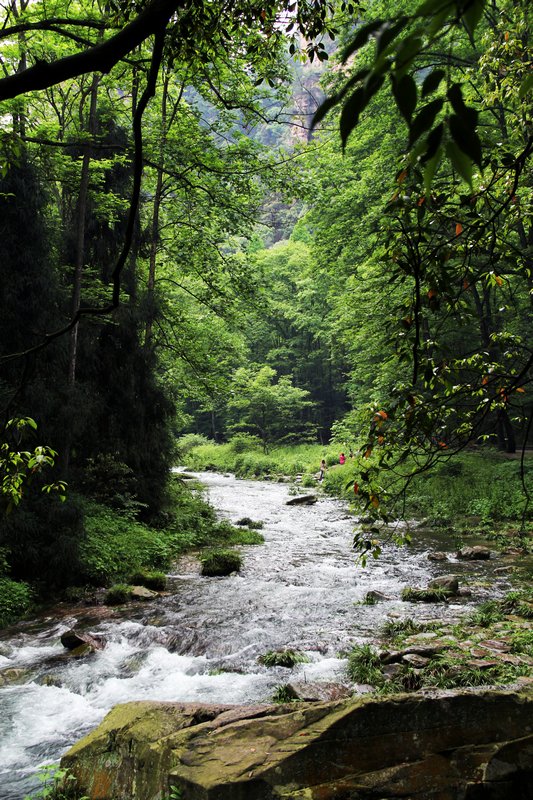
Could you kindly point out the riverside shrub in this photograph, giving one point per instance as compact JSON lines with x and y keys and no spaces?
{"x":15,"y":600}
{"x":220,"y":562}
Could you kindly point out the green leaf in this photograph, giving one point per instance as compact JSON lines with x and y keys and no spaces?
{"x":408,"y":49}
{"x":405,"y":94}
{"x":388,"y":33}
{"x":466,"y":139}
{"x":430,"y":169}
{"x":525,"y":86}
{"x":424,"y":120}
{"x":432,"y":7}
{"x":322,"y":110}
{"x":472,"y":16}
{"x":433,"y":142}
{"x":432,"y":81}
{"x":361,"y":38}
{"x":350,"y":113}
{"x":455,"y":96}
{"x":460,"y":161}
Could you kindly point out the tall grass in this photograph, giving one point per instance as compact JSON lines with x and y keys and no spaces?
{"x":248,"y":460}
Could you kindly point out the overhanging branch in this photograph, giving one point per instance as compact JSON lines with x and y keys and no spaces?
{"x":100,"y":58}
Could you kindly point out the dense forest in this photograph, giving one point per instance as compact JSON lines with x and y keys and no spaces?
{"x":271,"y":224}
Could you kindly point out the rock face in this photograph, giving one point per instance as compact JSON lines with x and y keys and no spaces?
{"x":450,"y":746}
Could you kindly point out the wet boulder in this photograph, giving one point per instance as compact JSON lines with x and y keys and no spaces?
{"x":318,"y":692}
{"x":142,"y":593}
{"x":475,"y":553}
{"x":448,"y":582}
{"x":437,"y":556}
{"x":302,"y":500}
{"x":13,"y":675}
{"x":74,"y":639}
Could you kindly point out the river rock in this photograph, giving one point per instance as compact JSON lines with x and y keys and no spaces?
{"x":302,"y":500}
{"x":13,"y":675}
{"x":437,"y":556}
{"x":391,"y":671}
{"x":414,"y":660}
{"x":373,"y":596}
{"x":315,"y":692}
{"x":142,"y":593}
{"x":475,"y":553}
{"x":462,"y":744}
{"x":448,"y":582}
{"x":74,"y":639}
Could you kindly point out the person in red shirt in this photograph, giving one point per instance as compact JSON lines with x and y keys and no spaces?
{"x":342,"y":458}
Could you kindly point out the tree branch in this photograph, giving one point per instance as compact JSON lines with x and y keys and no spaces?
{"x":100,"y":58}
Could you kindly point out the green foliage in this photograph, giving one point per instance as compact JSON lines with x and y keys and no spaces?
{"x":284,"y":694}
{"x":486,"y":614}
{"x":15,"y":600}
{"x":481,"y":484}
{"x":118,"y":594}
{"x":173,"y":793}
{"x":280,"y":462}
{"x":244,"y":442}
{"x":152,"y":580}
{"x":44,"y":538}
{"x":226,"y":534}
{"x":267,"y":408}
{"x":186,"y":443}
{"x":400,"y":628}
{"x":519,"y":602}
{"x":249,"y":523}
{"x":364,"y":665}
{"x":18,"y":468}
{"x":56,"y":784}
{"x":436,"y":595}
{"x":282,"y":658}
{"x":108,"y":481}
{"x":117,"y":546}
{"x":220,"y":563}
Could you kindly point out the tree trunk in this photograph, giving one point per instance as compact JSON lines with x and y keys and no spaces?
{"x":81,"y":214}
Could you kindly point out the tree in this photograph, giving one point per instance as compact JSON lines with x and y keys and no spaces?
{"x":183,"y":30}
{"x":272,"y":410}
{"x":457,"y":252}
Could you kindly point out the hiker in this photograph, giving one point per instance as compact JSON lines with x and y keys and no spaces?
{"x":322,"y":471}
{"x":342,"y":459}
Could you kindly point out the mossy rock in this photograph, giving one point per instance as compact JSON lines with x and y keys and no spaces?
{"x":151,"y":580}
{"x":246,"y":522}
{"x":220,"y":563}
{"x":118,"y":594}
{"x":434,"y":595}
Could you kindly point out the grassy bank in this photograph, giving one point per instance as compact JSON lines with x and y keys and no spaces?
{"x":480,"y":489}
{"x":113,"y":546}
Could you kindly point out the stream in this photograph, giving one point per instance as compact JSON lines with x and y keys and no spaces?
{"x":200,"y":642}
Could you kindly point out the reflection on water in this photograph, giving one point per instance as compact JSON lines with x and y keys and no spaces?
{"x":301,"y":589}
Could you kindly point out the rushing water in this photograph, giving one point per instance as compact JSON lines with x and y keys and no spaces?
{"x":301,"y":589}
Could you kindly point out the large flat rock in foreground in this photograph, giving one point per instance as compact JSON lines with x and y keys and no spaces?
{"x":471,"y":745}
